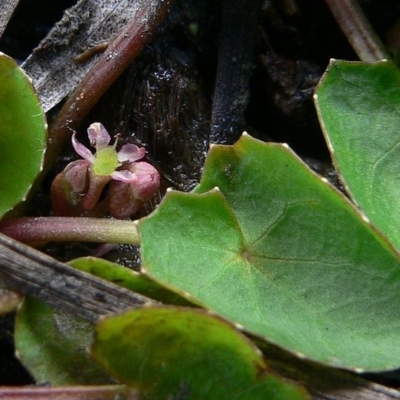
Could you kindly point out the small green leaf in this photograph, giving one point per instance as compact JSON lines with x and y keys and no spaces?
{"x":127,"y":278}
{"x":359,"y":109}
{"x":282,"y":253}
{"x":54,"y":346}
{"x":22,"y":134}
{"x":168,"y":353}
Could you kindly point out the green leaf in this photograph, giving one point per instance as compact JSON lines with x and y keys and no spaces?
{"x":54,"y":346}
{"x":127,"y":278}
{"x":22,"y":134}
{"x":359,"y":109}
{"x":282,"y":253}
{"x":170,"y":353}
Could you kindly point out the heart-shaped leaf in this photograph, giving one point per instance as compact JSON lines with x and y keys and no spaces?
{"x":359,"y":109}
{"x":168,"y":353}
{"x":282,"y":253}
{"x":22,"y":134}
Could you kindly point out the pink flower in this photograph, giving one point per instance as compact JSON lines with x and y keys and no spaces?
{"x":106,"y":159}
{"x":82,"y":182}
{"x":125,"y":199}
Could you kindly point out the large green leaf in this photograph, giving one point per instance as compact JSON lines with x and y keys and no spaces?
{"x":171,"y":353}
{"x":22,"y":134}
{"x":282,"y":253}
{"x":359,"y":109}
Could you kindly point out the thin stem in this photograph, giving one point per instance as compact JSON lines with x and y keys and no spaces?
{"x":72,"y":229}
{"x":121,"y":52}
{"x":357,"y":29}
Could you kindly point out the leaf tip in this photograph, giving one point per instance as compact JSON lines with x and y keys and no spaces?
{"x":102,"y":318}
{"x":144,"y":270}
{"x":187,"y":295}
{"x":238,"y":326}
{"x":300,"y":355}
{"x":365,"y":218}
{"x":258,"y":352}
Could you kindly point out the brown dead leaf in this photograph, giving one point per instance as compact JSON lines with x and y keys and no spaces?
{"x":83,"y":26}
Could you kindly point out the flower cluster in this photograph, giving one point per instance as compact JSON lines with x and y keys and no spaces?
{"x":78,"y":189}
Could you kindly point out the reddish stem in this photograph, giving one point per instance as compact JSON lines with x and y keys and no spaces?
{"x":358,"y":30}
{"x":74,"y":229}
{"x":121,"y":52}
